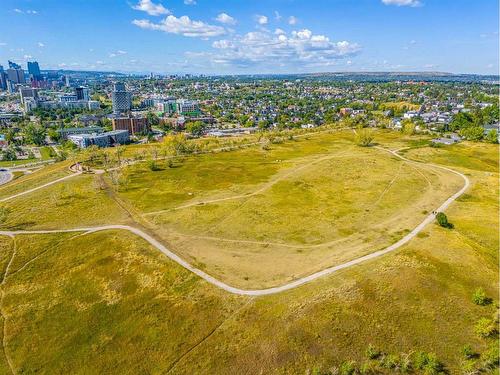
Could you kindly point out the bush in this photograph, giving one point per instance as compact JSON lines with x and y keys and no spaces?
{"x":368,"y":368}
{"x":486,"y":328}
{"x":390,"y":361}
{"x":492,"y":136}
{"x":153,"y":165}
{"x":347,"y":368}
{"x":371,"y":352}
{"x":266,"y":146}
{"x":405,"y":363}
{"x":469,"y":367}
{"x":428,"y":363}
{"x":491,"y":357}
{"x":479,"y":297}
{"x":467,"y":352}
{"x":442,"y":220}
{"x":364,"y":137}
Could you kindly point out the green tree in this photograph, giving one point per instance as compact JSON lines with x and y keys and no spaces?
{"x":364,"y":137}
{"x":472,"y":133}
{"x":408,"y":127}
{"x":153,"y":119}
{"x":9,"y":154}
{"x":54,"y":135}
{"x":196,"y":128}
{"x":34,"y":135}
{"x":442,"y":220}
{"x":460,"y":121}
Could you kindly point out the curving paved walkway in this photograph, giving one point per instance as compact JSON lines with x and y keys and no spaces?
{"x":41,"y":186}
{"x":260,"y":292}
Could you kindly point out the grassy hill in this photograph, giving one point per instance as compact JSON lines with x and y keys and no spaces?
{"x":108,"y":302}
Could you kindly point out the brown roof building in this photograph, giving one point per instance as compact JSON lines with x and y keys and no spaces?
{"x":134,"y":125}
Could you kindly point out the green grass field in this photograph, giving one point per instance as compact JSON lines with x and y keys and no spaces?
{"x":108,"y":302}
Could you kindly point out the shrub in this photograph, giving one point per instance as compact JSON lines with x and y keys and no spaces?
{"x":479,"y":297}
{"x":347,"y":368}
{"x":469,"y":367}
{"x":364,"y":137}
{"x":153,"y":165}
{"x":390,"y":361}
{"x":486,"y":328}
{"x":428,"y":363}
{"x":491,"y":357}
{"x":368,"y":368}
{"x":492,"y":136}
{"x":371,"y":352}
{"x":406,"y":363}
{"x":266,"y":146}
{"x":467,"y":352}
{"x":442,"y":220}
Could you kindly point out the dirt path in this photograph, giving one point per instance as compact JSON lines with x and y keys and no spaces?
{"x":41,"y":186}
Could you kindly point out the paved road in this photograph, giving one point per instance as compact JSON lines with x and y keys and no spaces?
{"x":261,"y":292}
{"x":5,"y":176}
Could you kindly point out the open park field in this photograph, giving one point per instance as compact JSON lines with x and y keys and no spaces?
{"x":253,"y":218}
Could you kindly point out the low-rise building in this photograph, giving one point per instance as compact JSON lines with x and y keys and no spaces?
{"x":66,"y":132}
{"x":101,"y":140}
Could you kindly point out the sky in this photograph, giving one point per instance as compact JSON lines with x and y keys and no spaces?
{"x":252,"y":37}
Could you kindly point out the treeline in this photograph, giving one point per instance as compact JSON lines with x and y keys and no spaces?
{"x":470,"y":125}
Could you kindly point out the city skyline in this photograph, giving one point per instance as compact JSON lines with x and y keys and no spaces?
{"x":227,"y":37}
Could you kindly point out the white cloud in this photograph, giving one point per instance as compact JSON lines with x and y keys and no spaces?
{"x":190,"y":2}
{"x":223,"y":44}
{"x":300,"y":48}
{"x":40,"y":44}
{"x":279,"y":31}
{"x":29,"y":11}
{"x":151,"y":8}
{"x":27,"y":57}
{"x":117,"y":53}
{"x":277,"y":16}
{"x":183,"y":26}
{"x":2,"y":44}
{"x":261,"y":20}
{"x":226,"y":19}
{"x":292,"y":20}
{"x":400,"y":3}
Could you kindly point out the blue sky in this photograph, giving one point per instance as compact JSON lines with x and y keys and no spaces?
{"x":259,"y":36}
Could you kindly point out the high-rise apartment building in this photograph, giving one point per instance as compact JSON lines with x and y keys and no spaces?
{"x":82,"y":93}
{"x":34,"y":70}
{"x":3,"y":79}
{"x":16,"y":75}
{"x":121,"y":98}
